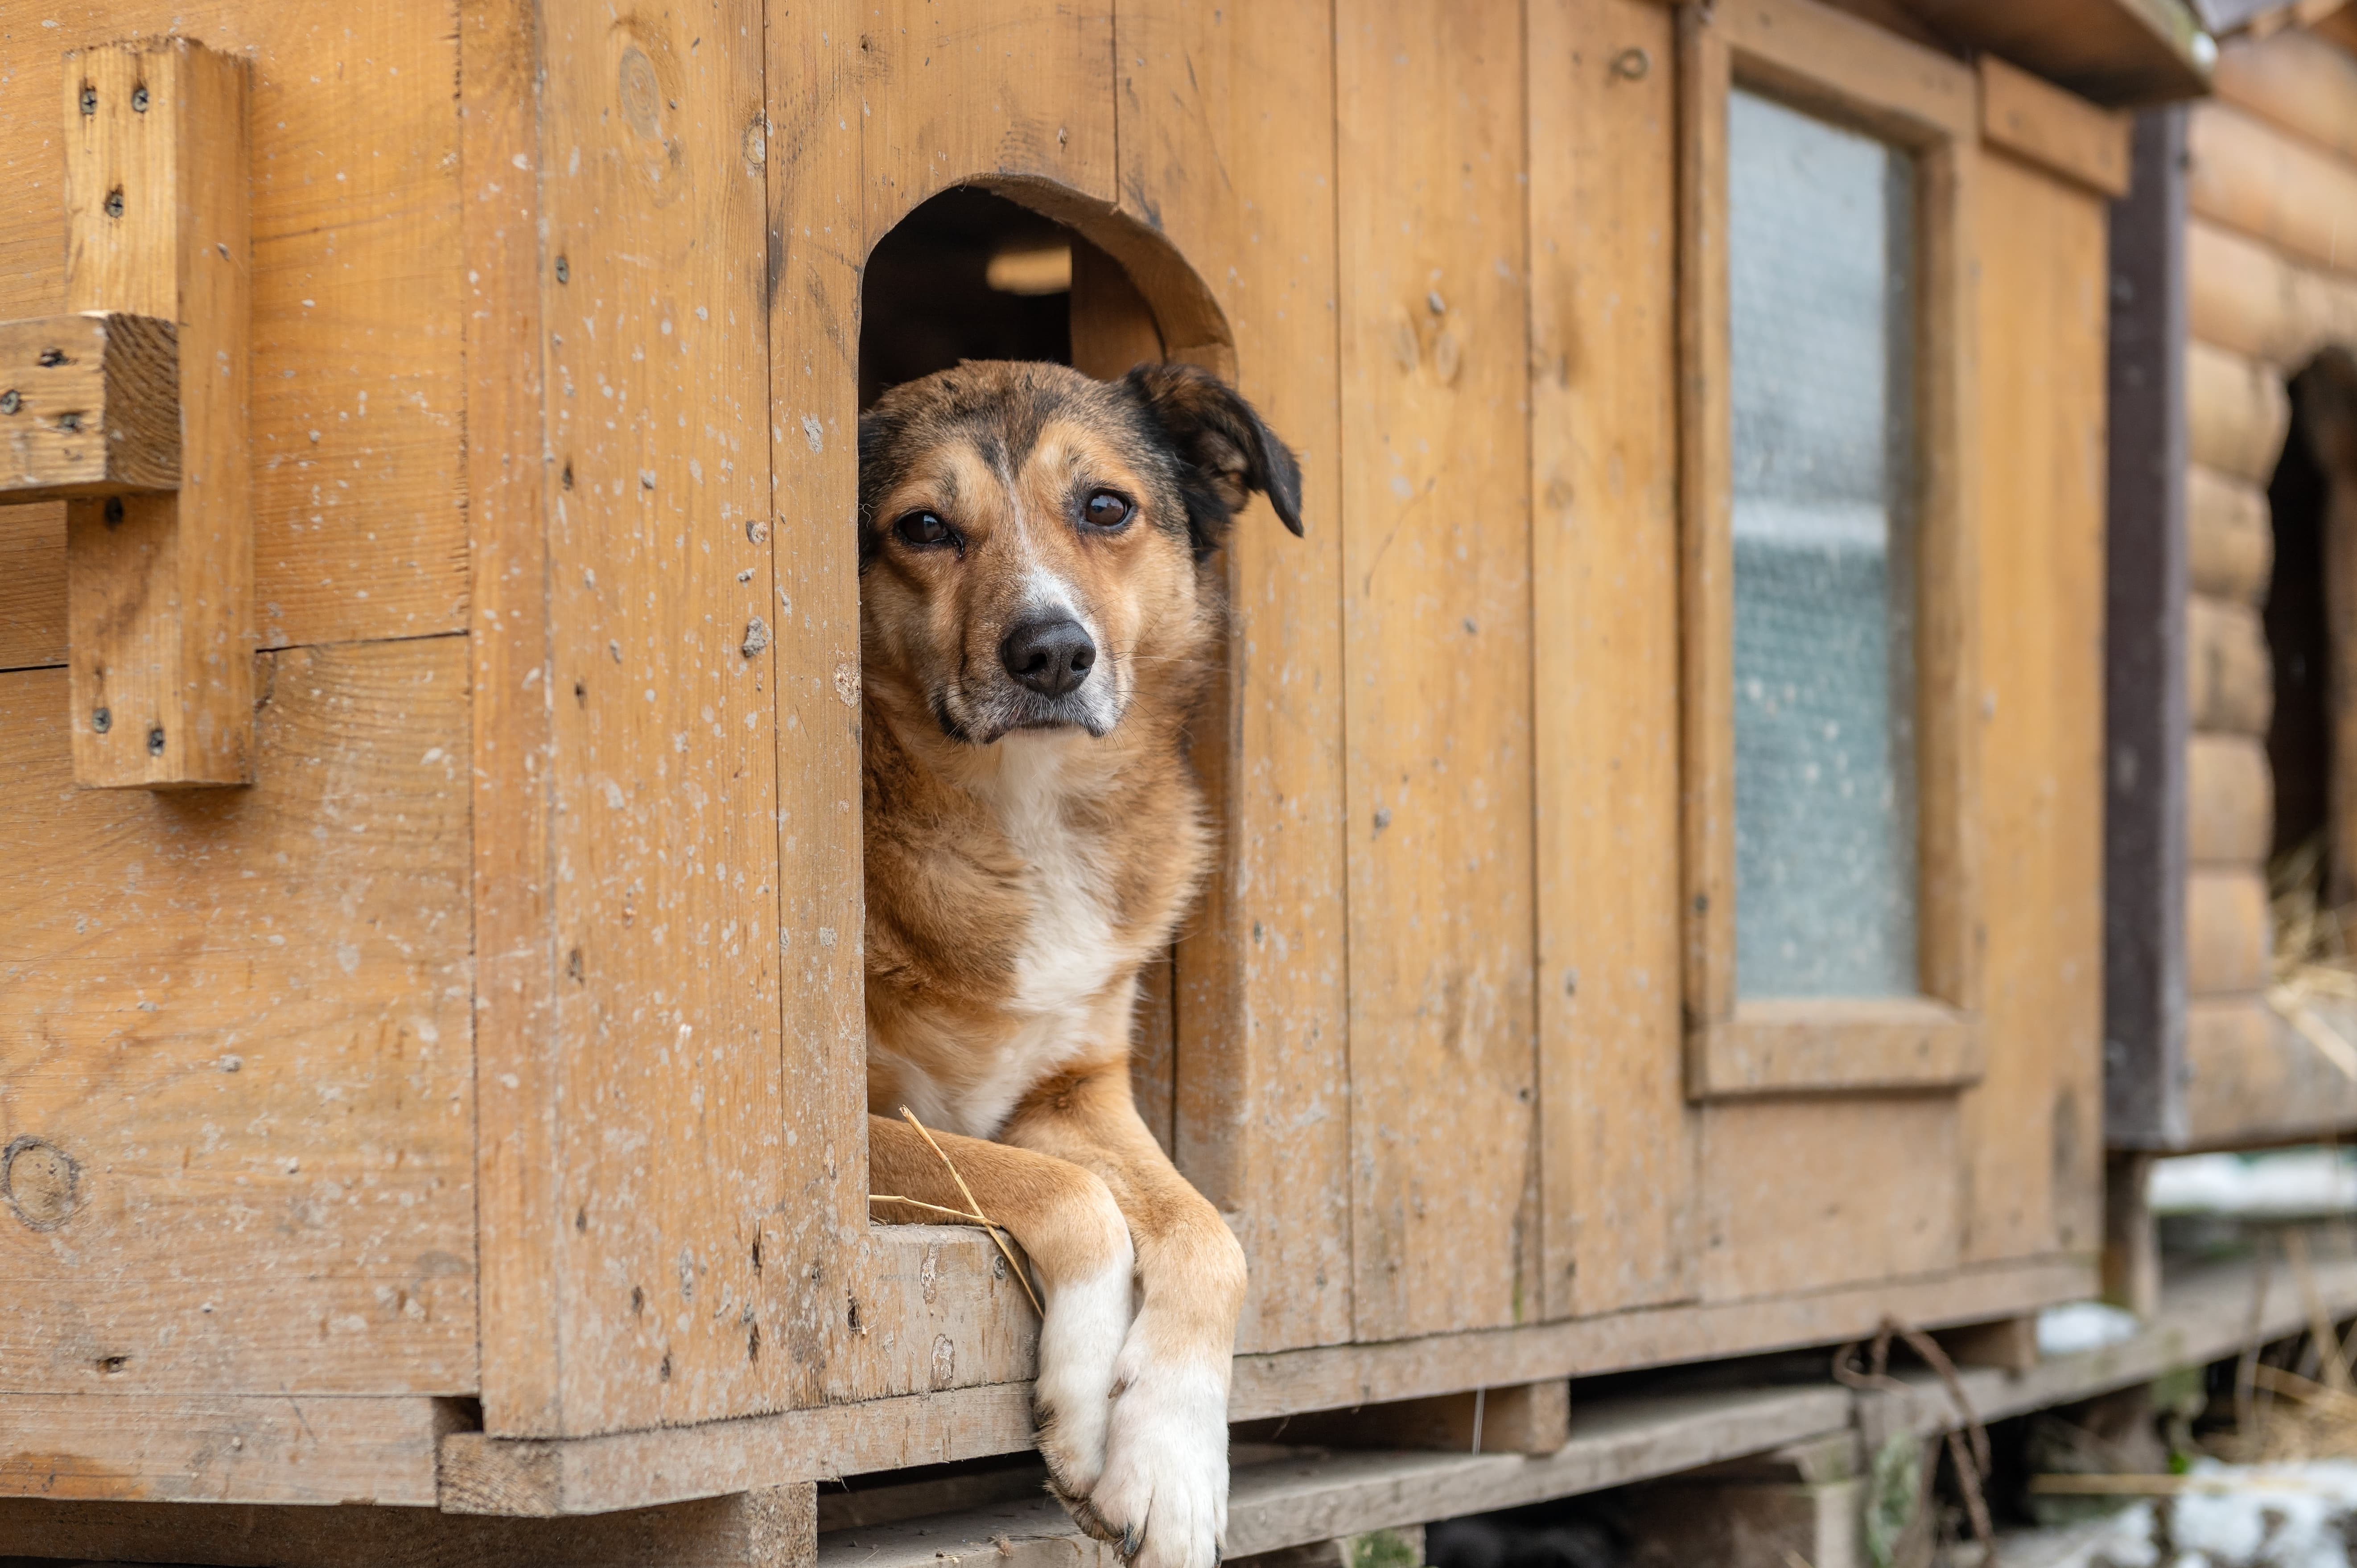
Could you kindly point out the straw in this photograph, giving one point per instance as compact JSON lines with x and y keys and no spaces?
{"x":972,"y":1211}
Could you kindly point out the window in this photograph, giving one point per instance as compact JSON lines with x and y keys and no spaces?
{"x":1828,"y":560}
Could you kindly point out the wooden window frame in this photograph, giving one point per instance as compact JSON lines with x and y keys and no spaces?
{"x":1852,"y":73}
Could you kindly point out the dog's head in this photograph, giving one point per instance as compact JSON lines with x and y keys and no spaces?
{"x":1029,"y":536}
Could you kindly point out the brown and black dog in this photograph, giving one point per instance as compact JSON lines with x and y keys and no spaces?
{"x":1037,"y":616}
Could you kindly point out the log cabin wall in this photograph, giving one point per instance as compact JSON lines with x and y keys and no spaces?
{"x":547,"y":1062}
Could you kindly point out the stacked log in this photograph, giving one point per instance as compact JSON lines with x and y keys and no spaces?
{"x":2271,"y":261}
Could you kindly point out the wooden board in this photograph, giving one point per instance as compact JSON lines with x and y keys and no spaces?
{"x":1801,"y":1194}
{"x":2031,"y":1136}
{"x":2255,"y":1079}
{"x":1226,"y":119}
{"x":2235,"y":412}
{"x":2226,"y":932}
{"x":92,"y":406}
{"x":2230,"y":801}
{"x":2230,"y":536}
{"x":632,"y":1130}
{"x":2248,"y":296}
{"x":2296,"y":79}
{"x":2256,"y":179}
{"x":2113,"y":51}
{"x":1616,"y":1139}
{"x":32,"y":585}
{"x":2229,"y":680}
{"x":2033,"y":119}
{"x":1435,"y":560}
{"x":244,"y":1015}
{"x":358,"y":519}
{"x":272,"y":1449}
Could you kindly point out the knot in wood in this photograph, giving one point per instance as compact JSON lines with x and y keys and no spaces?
{"x":41,"y":1181}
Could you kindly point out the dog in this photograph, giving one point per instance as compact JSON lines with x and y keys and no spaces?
{"x":1039,"y":615}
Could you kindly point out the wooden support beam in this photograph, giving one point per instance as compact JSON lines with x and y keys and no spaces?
{"x":1524,"y":1418}
{"x":2009,"y":1344}
{"x":2034,"y":119}
{"x":2131,"y":1244}
{"x":1749,"y":1524}
{"x":89,"y":406}
{"x":160,"y":586}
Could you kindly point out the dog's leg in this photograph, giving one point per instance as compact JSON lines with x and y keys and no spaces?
{"x":1079,"y":1245}
{"x":1164,"y":1492}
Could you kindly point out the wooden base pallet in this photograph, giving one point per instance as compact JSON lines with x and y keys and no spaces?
{"x":1282,"y":1499}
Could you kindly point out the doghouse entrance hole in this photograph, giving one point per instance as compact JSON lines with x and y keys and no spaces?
{"x":971,"y":274}
{"x":2300,"y":646}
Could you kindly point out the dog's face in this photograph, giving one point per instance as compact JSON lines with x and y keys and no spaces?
{"x":1028,"y":536}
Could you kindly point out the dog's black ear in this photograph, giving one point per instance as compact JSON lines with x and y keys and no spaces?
{"x":1224,"y":451}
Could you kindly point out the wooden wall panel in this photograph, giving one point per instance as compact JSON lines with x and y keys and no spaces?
{"x":2230,"y":793}
{"x":244,"y":1015}
{"x":2252,"y":177}
{"x":2032,"y":1134}
{"x":1804,"y":1193}
{"x":360,"y":526}
{"x":1618,"y":1186}
{"x":1435,"y":559}
{"x":2251,"y":1079}
{"x":2229,"y":541}
{"x":32,"y":585}
{"x":1227,"y":147}
{"x":2236,"y":412}
{"x":2296,"y":79}
{"x":647,"y":1118}
{"x":2252,"y":299}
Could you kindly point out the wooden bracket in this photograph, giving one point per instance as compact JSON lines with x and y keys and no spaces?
{"x":133,"y":410}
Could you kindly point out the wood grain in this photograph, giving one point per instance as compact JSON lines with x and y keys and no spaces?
{"x":32,"y":585}
{"x":1435,"y":559}
{"x":632,"y":1130}
{"x":2229,"y":678}
{"x":2253,"y":1078}
{"x":2255,"y":178}
{"x":2229,"y":800}
{"x":89,"y":406}
{"x":2230,"y":536}
{"x":1618,"y":1144}
{"x":358,"y":505}
{"x":2296,"y":79}
{"x":159,"y":588}
{"x":1825,"y":1044}
{"x":2251,"y":298}
{"x":100,"y":1448}
{"x":1226,"y":118}
{"x":2033,"y":119}
{"x":2031,"y":1132}
{"x":2226,"y":931}
{"x":244,"y":1015}
{"x":2235,"y":412}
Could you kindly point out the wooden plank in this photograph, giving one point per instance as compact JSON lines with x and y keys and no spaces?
{"x":2131,"y":1238}
{"x":1226,"y":120}
{"x":243,"y":1017}
{"x":2111,"y":51}
{"x":2252,"y":299}
{"x":104,"y":1448}
{"x":2032,"y":1131}
{"x":2230,"y":538}
{"x":634,"y":1162}
{"x":772,"y":1528}
{"x":358,"y":515}
{"x":2009,"y":1344}
{"x":1781,"y":1045}
{"x":644,"y":1469}
{"x":89,"y":405}
{"x":2254,"y":1080}
{"x":1815,"y":55}
{"x":2226,"y":932}
{"x":1750,"y":1524}
{"x":2058,"y":130}
{"x":2229,"y":679}
{"x":1616,"y":1143}
{"x":159,"y":588}
{"x":32,"y":585}
{"x":2254,"y":179}
{"x":2236,"y":412}
{"x":2230,"y":801}
{"x":2296,"y":79}
{"x":1805,"y":1193}
{"x":1520,"y":1418}
{"x":1435,"y":548}
{"x":2145,"y":572}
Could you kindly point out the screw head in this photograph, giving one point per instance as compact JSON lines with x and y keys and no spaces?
{"x":11,"y":400}
{"x":113,"y":510}
{"x":100,"y":720}
{"x":564,"y":270}
{"x":114,"y":202}
{"x":139,"y":100}
{"x":155,"y":741}
{"x":88,"y":99}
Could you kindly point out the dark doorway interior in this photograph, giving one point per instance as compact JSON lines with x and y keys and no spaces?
{"x":967,"y":275}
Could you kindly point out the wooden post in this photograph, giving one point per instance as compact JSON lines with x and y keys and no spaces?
{"x":2009,"y":1344}
{"x":2131,"y":1247}
{"x":160,"y":582}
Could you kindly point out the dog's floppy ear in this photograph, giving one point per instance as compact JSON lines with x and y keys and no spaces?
{"x":1224,"y":451}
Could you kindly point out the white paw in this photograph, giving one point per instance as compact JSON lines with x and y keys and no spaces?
{"x":1073,"y":1398}
{"x":1164,"y":1494}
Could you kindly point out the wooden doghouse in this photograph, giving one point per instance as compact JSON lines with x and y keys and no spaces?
{"x":430,"y":925}
{"x":2231,"y":717}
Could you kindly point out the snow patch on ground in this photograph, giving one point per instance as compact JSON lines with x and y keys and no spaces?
{"x":2258,"y":1516}
{"x":2294,"y":1182}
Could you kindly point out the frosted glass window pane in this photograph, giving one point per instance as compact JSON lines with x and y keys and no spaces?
{"x":1820,"y":242}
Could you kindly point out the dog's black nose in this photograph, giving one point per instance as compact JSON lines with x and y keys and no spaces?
{"x":1052,"y":656}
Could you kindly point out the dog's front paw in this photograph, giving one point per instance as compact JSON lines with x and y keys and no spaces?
{"x":1163,"y":1498}
{"x":1072,"y":1399}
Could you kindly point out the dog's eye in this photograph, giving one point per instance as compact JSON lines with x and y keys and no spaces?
{"x":921,"y":528}
{"x":1106,"y":510}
